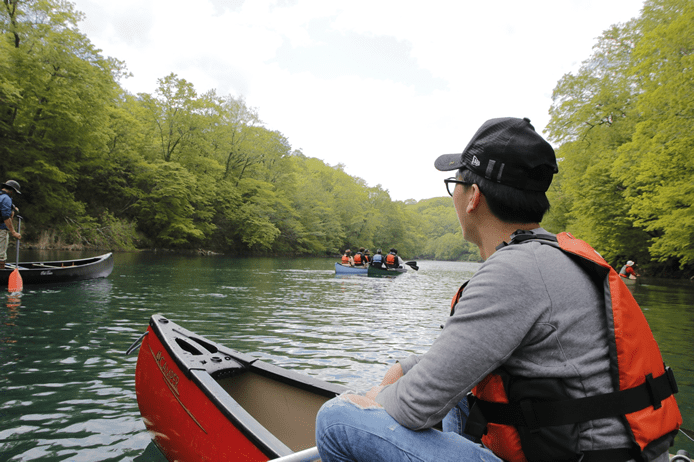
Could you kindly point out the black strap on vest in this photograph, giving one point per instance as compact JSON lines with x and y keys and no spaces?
{"x":550,"y":413}
{"x":522,"y":235}
{"x":608,"y":455}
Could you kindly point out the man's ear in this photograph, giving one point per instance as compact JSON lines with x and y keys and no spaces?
{"x":474,"y":200}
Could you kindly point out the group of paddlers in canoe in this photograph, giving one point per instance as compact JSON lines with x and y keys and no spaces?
{"x":362,"y":258}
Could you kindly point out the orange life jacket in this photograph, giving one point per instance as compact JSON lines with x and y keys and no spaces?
{"x":391,"y":259}
{"x":345,"y":260}
{"x":357,"y":258}
{"x":513,"y":428}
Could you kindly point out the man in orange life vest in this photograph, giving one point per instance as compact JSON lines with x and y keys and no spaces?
{"x":560,"y":361}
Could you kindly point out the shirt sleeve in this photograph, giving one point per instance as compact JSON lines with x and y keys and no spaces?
{"x":498,"y":307}
{"x":5,"y":207}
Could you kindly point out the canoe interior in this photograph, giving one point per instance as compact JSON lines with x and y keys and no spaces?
{"x":287,"y":412}
{"x":58,"y":264}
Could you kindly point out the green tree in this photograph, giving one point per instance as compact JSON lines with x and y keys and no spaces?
{"x":592,"y":115}
{"x":56,"y":93}
{"x":166,"y":210}
{"x":657,"y":166}
{"x":173,"y":111}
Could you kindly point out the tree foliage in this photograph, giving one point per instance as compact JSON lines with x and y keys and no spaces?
{"x":624,"y":126}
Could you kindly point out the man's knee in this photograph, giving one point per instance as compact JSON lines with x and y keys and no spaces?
{"x":332,"y":411}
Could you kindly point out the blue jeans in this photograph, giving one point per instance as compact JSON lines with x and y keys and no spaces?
{"x":456,"y":418}
{"x":347,"y":432}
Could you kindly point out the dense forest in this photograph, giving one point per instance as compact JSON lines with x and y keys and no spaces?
{"x":624,"y":124}
{"x":176,"y":169}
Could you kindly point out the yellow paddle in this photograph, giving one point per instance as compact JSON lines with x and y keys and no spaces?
{"x":15,"y":283}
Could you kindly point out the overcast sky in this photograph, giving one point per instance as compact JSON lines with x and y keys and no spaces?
{"x":382,"y":87}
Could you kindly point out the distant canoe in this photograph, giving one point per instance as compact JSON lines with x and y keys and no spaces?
{"x":376,"y":271}
{"x":629,"y":281}
{"x":348,"y":270}
{"x":46,"y":272}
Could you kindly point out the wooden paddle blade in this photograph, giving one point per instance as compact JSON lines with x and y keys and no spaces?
{"x":15,"y":283}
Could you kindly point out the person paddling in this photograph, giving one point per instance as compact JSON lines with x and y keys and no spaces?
{"x":7,"y":213}
{"x":557,"y":355}
{"x":628,"y":271}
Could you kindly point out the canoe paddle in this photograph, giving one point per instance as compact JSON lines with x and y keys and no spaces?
{"x":15,"y":283}
{"x":413,"y":265}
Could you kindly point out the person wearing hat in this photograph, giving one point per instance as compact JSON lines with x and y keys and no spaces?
{"x":7,"y":211}
{"x":535,"y":336}
{"x":628,"y":271}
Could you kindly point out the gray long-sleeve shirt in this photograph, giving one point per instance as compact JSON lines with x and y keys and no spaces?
{"x":531,"y":309}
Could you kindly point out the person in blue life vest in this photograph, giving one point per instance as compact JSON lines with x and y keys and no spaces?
{"x":535,"y":361}
{"x":378,"y":260}
{"x":7,"y":213}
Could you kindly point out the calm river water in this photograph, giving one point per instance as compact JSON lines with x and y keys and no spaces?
{"x":67,"y":389}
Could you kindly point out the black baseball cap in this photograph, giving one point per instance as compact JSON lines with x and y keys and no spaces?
{"x":508,"y":151}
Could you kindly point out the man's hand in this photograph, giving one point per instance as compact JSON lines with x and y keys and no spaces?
{"x":369,"y":400}
{"x":16,"y":235}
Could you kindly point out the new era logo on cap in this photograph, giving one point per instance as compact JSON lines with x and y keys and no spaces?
{"x":506,"y":150}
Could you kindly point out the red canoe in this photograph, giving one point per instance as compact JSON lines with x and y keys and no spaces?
{"x":203,"y":401}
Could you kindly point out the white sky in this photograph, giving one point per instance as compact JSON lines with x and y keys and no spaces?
{"x":381,"y":86}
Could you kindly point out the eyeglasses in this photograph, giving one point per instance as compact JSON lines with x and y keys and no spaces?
{"x":455,"y":181}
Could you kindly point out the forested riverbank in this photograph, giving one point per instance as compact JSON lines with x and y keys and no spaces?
{"x":182,"y":170}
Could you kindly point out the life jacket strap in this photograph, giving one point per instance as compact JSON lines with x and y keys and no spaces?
{"x":521,"y":236}
{"x":608,"y":455}
{"x":551,"y":413}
